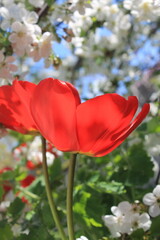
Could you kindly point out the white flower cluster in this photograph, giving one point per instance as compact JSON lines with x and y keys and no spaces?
{"x":128,"y":217}
{"x":146,"y":10}
{"x":24,"y":34}
{"x":115,"y":22}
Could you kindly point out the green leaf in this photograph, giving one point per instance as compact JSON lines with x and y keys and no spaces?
{"x":140,"y":167}
{"x":155,"y":227}
{"x":138,"y":234}
{"x":47,"y":216}
{"x":55,"y":169}
{"x":16,"y":207}
{"x":8,"y":175}
{"x":6,"y":232}
{"x":40,"y":233}
{"x":153,"y":125}
{"x":1,"y":192}
{"x":111,"y":187}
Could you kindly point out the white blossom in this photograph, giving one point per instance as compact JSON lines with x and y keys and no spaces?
{"x":21,"y":38}
{"x":143,"y":10}
{"x":152,"y":144}
{"x":6,"y":66}
{"x":141,"y":221}
{"x":79,"y":5}
{"x":37,"y":3}
{"x":99,"y":9}
{"x":126,"y":219}
{"x":35,"y":152}
{"x":153,"y":201}
{"x":82,"y":238}
{"x":41,"y":46}
{"x":10,"y":15}
{"x":30,"y":17}
{"x":16,"y":229}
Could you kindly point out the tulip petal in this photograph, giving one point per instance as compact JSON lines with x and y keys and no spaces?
{"x":53,"y":108}
{"x":101,"y":116}
{"x":13,"y":113}
{"x":118,"y":138}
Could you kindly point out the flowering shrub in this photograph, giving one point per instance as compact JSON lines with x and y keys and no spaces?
{"x":80,"y":156}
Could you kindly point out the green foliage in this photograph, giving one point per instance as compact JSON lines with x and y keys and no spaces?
{"x":137,"y":157}
{"x":138,"y":234}
{"x":109,"y":187}
{"x":155,"y":228}
{"x":153,"y":125}
{"x":16,"y":208}
{"x":1,"y":192}
{"x":5,"y":231}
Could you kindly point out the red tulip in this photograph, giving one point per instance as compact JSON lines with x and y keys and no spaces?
{"x":27,"y":181}
{"x":95,"y":127}
{"x":14,"y":106}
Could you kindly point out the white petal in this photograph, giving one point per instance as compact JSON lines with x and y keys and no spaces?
{"x":109,"y":220}
{"x":149,"y":199}
{"x":116,"y":211}
{"x":16,"y":26}
{"x":156,"y":191}
{"x":144,"y":221}
{"x":124,"y":207}
{"x":13,"y":38}
{"x":154,"y":210}
{"x":144,"y":217}
{"x":4,"y":12}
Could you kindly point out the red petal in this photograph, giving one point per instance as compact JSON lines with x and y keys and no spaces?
{"x":14,"y":112}
{"x":101,"y":116}
{"x":53,"y":107}
{"x":27,"y":181}
{"x":118,"y":138}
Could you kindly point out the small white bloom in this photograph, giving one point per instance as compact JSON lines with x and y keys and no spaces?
{"x":21,"y":37}
{"x":30,"y":17}
{"x":41,"y":46}
{"x":82,"y":238}
{"x":7,"y":66}
{"x":144,"y":10}
{"x":10,"y":15}
{"x":16,"y":229}
{"x":35,"y":153}
{"x":36,"y":3}
{"x":120,"y":222}
{"x":79,"y":5}
{"x":152,"y":144}
{"x":141,"y":221}
{"x":153,"y":201}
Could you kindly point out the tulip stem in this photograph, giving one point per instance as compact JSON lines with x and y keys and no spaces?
{"x":70,"y":224}
{"x":49,"y":192}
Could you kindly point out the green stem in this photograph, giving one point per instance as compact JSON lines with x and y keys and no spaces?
{"x":49,"y":192}
{"x":70,"y":197}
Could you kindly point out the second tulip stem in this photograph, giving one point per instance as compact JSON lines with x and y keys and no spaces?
{"x":70,"y":224}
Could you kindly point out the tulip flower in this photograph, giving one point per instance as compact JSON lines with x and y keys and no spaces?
{"x":14,"y":106}
{"x":95,"y":127}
